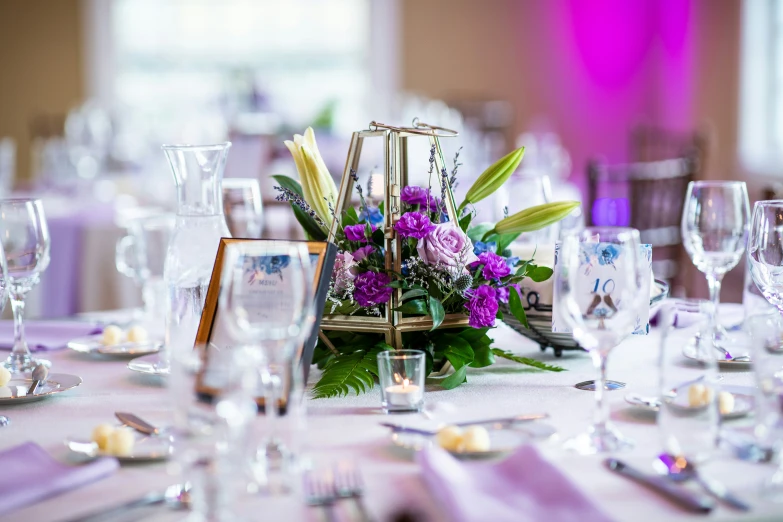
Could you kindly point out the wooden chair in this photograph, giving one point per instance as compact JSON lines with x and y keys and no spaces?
{"x":655,"y":193}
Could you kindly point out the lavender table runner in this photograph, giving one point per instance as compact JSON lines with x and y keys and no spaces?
{"x":47,"y":335}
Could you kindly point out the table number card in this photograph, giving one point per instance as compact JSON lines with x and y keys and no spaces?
{"x":598,"y":273}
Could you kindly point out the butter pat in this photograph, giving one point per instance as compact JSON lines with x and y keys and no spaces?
{"x":100,"y":435}
{"x":696,"y":395}
{"x":5,"y":376}
{"x":137,"y":334}
{"x":120,"y":442}
{"x":449,"y":438}
{"x":725,"y":402}
{"x":476,"y":438}
{"x":112,"y":335}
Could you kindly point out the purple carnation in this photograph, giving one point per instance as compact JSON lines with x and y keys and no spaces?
{"x":356,"y":232}
{"x":503,"y":292}
{"x":413,"y":195}
{"x":414,"y":224}
{"x":371,"y":288}
{"x":361,"y":253}
{"x":495,"y":266}
{"x":482,"y":305}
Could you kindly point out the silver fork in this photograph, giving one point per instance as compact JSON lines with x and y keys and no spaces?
{"x":349,"y":484}
{"x":320,"y":492}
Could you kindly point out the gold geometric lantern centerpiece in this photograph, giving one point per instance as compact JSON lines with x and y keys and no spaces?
{"x":395,"y":177}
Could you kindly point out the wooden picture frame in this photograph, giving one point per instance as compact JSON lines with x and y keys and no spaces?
{"x":322,"y":254}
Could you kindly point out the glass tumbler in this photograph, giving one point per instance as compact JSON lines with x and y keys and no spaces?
{"x":243,"y":207}
{"x":688,"y":418}
{"x":401,"y":376}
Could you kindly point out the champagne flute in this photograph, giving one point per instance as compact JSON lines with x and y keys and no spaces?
{"x":600,"y":311}
{"x":25,"y":239}
{"x":714,"y":230}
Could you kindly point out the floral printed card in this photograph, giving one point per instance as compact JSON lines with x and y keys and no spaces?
{"x":598,"y":262}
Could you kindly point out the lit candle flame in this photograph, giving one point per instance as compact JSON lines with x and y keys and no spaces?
{"x":405,"y":383}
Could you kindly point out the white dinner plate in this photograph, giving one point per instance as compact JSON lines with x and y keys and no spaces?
{"x":15,"y":392}
{"x":743,"y":403}
{"x":93,"y":344}
{"x":502,"y":440}
{"x":146,"y":448}
{"x":151,"y":364}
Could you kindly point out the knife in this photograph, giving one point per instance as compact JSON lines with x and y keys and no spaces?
{"x":136,"y":423}
{"x":685,"y":498}
{"x":719,"y":491}
{"x":503,"y":420}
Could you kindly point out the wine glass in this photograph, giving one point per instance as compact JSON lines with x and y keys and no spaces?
{"x":714,"y":230}
{"x":266,"y":303}
{"x":242,"y":207}
{"x":25,"y":239}
{"x":600,"y":288}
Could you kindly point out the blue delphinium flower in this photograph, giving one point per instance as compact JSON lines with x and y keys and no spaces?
{"x":512,"y":261}
{"x":479,"y":247}
{"x":607,"y":253}
{"x":372,"y":214}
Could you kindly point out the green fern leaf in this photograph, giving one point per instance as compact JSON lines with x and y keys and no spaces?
{"x":355,"y":371}
{"x":527,"y":361}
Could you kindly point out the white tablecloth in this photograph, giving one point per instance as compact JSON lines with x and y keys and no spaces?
{"x":347,"y":428}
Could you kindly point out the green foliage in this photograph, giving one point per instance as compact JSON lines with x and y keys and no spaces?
{"x":477,"y":232}
{"x":415,"y":306}
{"x":356,"y":371}
{"x":539,"y":273}
{"x":526,"y":361}
{"x":516,"y":308}
{"x":437,"y":313}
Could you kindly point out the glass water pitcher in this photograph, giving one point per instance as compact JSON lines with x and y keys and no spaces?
{"x":198,"y":173}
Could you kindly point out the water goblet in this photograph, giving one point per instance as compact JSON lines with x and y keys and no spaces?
{"x":600,"y":313}
{"x":242,"y":207}
{"x":25,"y":239}
{"x":715,"y":222}
{"x":266,"y":305}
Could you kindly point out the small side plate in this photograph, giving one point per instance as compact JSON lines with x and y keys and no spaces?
{"x":93,"y":344}
{"x":743,"y":404}
{"x":15,"y":392}
{"x":502,"y":440}
{"x":151,"y":364}
{"x":689,"y":351}
{"x":145,"y":448}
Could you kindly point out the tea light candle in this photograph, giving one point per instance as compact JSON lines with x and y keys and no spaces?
{"x":404,"y":394}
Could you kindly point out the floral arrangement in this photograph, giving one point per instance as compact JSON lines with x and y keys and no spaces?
{"x":447,"y":268}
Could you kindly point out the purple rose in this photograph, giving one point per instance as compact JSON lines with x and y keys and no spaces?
{"x":447,"y":245}
{"x":357,"y":232}
{"x":503,"y":292}
{"x":495,"y":266}
{"x":414,"y":224}
{"x":483,"y":306}
{"x":371,"y":288}
{"x":344,"y":272}
{"x":361,"y":253}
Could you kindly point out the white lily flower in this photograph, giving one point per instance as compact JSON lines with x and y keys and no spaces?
{"x":318,"y":187}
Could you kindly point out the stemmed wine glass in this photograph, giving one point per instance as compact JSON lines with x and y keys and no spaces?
{"x":25,"y":239}
{"x":714,"y":230}
{"x":601,"y":307}
{"x":266,"y":302}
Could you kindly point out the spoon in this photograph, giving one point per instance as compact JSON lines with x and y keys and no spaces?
{"x":679,"y":469}
{"x":39,"y":375}
{"x":4,"y":421}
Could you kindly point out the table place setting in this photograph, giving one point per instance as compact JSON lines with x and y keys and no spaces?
{"x":386,"y":367}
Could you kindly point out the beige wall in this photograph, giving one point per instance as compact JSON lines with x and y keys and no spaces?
{"x":40,"y":66}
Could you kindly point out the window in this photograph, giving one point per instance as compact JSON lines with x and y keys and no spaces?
{"x":175,"y":61}
{"x":761,"y":98}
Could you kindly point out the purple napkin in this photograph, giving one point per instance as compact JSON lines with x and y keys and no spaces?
{"x":46,"y":335}
{"x":523,"y":487}
{"x":28,"y":474}
{"x":682,"y":319}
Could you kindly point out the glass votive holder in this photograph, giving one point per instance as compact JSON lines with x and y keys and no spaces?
{"x":401,"y":375}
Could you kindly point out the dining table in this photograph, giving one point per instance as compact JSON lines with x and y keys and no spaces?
{"x":348,"y":429}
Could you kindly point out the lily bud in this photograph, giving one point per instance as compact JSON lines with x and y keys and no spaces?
{"x":318,"y":187}
{"x":535,"y":218}
{"x":494,"y":177}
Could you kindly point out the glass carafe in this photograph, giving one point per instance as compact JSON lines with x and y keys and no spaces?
{"x":198,"y":173}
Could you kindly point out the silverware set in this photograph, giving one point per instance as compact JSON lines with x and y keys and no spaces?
{"x":673,"y":471}
{"x":323,"y":489}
